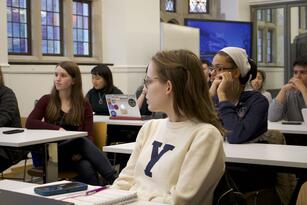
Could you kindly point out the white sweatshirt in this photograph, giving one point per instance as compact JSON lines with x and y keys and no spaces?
{"x":175,"y":163}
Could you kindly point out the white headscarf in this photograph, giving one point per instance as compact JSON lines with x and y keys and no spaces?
{"x":240,"y":58}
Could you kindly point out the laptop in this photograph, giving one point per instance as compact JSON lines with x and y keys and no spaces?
{"x":123,"y":107}
{"x":15,"y":198}
{"x":304,"y":113}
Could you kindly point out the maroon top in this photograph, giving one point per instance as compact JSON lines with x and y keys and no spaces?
{"x":34,"y":120}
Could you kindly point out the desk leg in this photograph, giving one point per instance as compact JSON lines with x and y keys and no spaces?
{"x":51,"y":162}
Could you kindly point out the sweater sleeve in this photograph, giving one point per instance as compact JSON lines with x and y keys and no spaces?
{"x":8,"y":107}
{"x":126,"y":179}
{"x":35,"y":119}
{"x":276,"y":111}
{"x":202,"y":168}
{"x":251,"y":125}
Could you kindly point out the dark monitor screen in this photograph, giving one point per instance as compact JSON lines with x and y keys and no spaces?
{"x":215,"y":35}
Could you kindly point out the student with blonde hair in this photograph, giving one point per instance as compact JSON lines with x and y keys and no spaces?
{"x":180,"y":159}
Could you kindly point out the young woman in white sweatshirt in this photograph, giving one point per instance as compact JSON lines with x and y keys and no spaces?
{"x":180,"y":159}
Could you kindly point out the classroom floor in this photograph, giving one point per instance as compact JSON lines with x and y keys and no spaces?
{"x":16,"y":172}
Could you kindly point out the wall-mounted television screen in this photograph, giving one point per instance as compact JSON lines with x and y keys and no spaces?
{"x":215,"y":35}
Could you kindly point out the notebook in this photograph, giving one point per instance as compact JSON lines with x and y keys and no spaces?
{"x":15,"y":198}
{"x":123,"y":107}
{"x":105,"y":197}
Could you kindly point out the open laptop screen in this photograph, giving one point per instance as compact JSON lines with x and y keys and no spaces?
{"x":123,"y":107}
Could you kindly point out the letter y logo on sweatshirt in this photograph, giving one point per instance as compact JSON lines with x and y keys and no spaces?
{"x":156,"y":155}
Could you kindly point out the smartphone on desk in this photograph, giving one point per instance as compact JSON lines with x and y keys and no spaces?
{"x":291,"y":122}
{"x":14,"y":131}
{"x":50,"y":190}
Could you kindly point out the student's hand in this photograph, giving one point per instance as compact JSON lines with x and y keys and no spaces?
{"x":229,"y":89}
{"x":76,"y":157}
{"x":298,"y":84}
{"x":214,"y":86}
{"x":62,"y":129}
{"x":223,"y":90}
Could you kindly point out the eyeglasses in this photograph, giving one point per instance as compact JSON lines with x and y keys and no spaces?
{"x":219,"y":68}
{"x":148,"y":81}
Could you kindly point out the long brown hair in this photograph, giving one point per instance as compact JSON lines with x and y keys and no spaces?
{"x":190,"y":91}
{"x":75,"y":116}
{"x":1,"y":78}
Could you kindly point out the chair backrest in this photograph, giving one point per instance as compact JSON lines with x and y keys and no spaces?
{"x":227,"y":193}
{"x":23,"y":122}
{"x":100,"y":134}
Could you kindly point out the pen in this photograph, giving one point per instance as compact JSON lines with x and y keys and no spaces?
{"x":90,"y":192}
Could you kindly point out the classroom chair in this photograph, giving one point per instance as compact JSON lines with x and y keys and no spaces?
{"x":23,"y":178}
{"x":100,"y":134}
{"x":227,"y":193}
{"x":100,"y":138}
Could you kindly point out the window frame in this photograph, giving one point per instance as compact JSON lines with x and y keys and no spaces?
{"x":29,"y":38}
{"x":266,"y":27}
{"x":61,"y":12}
{"x":89,"y":28}
{"x":260,"y":30}
{"x":36,"y":56}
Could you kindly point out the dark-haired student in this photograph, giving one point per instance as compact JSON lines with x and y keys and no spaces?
{"x":205,"y":66}
{"x":258,"y":85}
{"x":102,"y":80}
{"x":180,"y":159}
{"x":292,"y":97}
{"x":9,"y":117}
{"x":67,"y":109}
{"x":289,"y":102}
{"x":243,"y":113}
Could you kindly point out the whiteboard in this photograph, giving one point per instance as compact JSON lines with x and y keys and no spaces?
{"x":179,"y":37}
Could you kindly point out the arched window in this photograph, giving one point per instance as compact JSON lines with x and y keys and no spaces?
{"x":198,"y":6}
{"x":170,"y":5}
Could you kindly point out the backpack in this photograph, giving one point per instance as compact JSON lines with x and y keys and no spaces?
{"x":227,"y":193}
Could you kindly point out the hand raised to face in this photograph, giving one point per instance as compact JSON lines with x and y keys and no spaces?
{"x":229,"y":88}
{"x":226,"y":81}
{"x":297,"y":83}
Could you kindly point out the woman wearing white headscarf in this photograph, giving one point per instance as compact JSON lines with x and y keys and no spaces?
{"x":243,"y":113}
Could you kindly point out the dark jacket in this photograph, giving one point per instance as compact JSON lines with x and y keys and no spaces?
{"x":246,"y":120}
{"x":95,"y":96}
{"x":9,"y":112}
{"x":9,"y":117}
